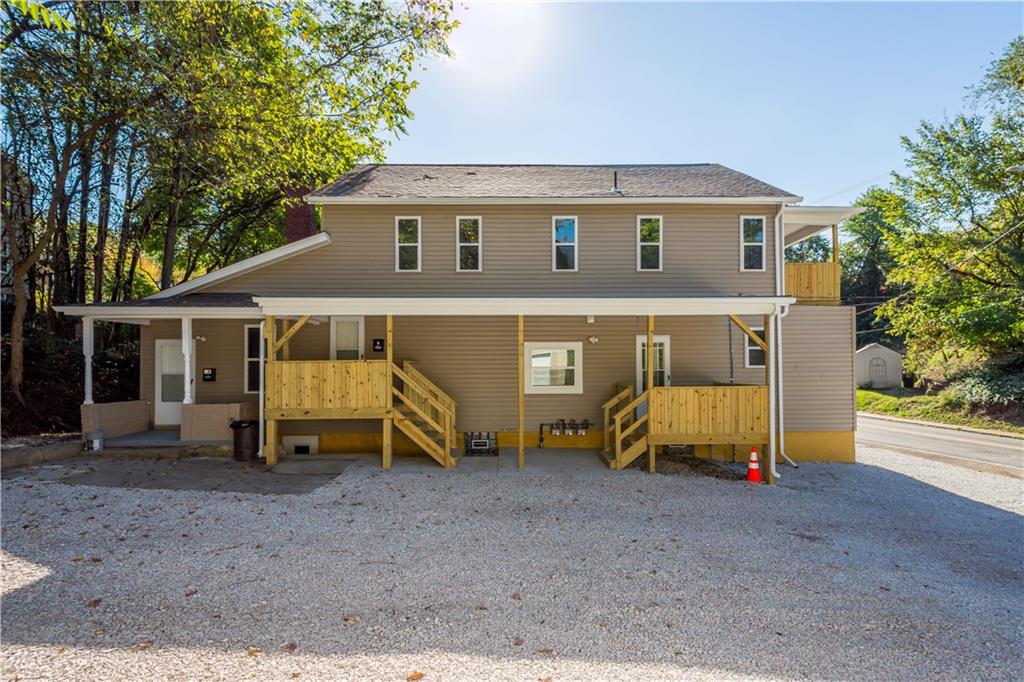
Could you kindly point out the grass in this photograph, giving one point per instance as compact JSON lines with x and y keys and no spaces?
{"x":911,"y":404}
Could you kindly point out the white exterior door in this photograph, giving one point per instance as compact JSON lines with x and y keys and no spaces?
{"x":347,"y":337}
{"x":170,"y":382}
{"x":662,"y":364}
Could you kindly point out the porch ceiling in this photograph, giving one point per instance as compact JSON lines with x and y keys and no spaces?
{"x":801,"y":222}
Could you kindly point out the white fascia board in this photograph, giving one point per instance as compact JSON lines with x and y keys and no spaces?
{"x":802,"y":222}
{"x":248,"y":265}
{"x":446,"y":201}
{"x":143,"y":314}
{"x":736,"y":305}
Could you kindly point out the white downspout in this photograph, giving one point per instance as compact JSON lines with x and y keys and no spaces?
{"x":782,"y":427}
{"x":773,"y":381}
{"x":263,"y":366}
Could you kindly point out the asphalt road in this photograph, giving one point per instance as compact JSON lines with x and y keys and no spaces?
{"x":977,"y":450}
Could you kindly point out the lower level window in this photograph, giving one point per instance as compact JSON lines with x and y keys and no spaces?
{"x":553,"y":367}
{"x":252,"y":358}
{"x":754,"y":356}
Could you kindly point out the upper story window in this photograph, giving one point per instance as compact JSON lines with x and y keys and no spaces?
{"x":564,"y":243}
{"x":553,"y":367}
{"x":648,"y":243}
{"x":407,"y":244}
{"x":753,"y":354}
{"x":752,"y":243}
{"x":469,"y":241}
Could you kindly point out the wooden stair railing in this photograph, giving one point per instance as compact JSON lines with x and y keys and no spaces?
{"x":625,"y":433}
{"x":424,"y":419}
{"x":433,"y":390}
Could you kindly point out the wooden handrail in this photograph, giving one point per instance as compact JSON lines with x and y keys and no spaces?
{"x":409,"y":381}
{"x":632,"y":427}
{"x":423,"y":415}
{"x":412,"y":370}
{"x":631,"y":406}
{"x":628,"y":390}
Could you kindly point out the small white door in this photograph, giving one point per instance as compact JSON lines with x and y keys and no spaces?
{"x":662,"y":364}
{"x":347,"y":337}
{"x":170,"y":382}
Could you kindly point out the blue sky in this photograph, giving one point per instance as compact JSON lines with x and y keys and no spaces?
{"x":809,"y":97}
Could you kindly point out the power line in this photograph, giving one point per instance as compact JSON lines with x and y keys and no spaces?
{"x":959,"y":314}
{"x":951,"y":267}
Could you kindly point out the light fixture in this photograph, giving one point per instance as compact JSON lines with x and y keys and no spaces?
{"x":590,"y":319}
{"x":591,"y":339}
{"x":201,"y":339}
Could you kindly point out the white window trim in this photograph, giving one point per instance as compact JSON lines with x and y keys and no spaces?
{"x":362,"y":333}
{"x":246,"y":359}
{"x":479,"y":243}
{"x":530,"y":346}
{"x":763,"y":243}
{"x":575,"y":243}
{"x":749,"y":345}
{"x":419,"y":242}
{"x":659,"y":243}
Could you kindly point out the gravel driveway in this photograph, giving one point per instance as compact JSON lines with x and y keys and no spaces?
{"x":895,"y":568}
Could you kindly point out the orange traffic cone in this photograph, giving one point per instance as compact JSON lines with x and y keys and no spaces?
{"x":753,"y":468}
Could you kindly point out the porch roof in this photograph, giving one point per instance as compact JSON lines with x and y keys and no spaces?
{"x":247,"y":306}
{"x":515,"y":305}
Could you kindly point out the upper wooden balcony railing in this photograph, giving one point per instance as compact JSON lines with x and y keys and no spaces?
{"x":326,"y":389}
{"x":813,"y":283}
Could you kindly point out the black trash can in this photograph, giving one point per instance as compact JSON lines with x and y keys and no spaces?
{"x":247,"y":439}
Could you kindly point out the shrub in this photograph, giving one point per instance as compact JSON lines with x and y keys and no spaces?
{"x":986,"y":388}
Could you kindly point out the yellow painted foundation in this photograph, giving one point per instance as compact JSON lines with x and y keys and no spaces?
{"x":802,"y":446}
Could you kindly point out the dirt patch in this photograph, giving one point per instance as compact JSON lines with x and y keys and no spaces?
{"x":681,"y":462}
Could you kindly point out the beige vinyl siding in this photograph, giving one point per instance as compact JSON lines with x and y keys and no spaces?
{"x":817,"y":360}
{"x":701,"y":254}
{"x":474,"y":359}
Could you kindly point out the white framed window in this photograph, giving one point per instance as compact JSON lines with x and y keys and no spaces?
{"x":753,"y":354}
{"x":407,"y":244}
{"x":553,"y":367}
{"x":752,"y":243}
{"x":251,"y":352}
{"x":648,"y":243}
{"x":469,"y":243}
{"x":564,"y":243}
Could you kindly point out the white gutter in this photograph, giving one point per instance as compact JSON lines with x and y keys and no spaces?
{"x":142,"y":314}
{"x":263,"y":366}
{"x":448,"y":201}
{"x":511,"y":305}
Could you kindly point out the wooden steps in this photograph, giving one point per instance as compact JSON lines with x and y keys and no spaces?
{"x":420,"y":433}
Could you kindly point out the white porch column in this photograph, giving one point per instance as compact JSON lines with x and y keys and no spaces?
{"x":186,"y":349}
{"x":87,"y":346}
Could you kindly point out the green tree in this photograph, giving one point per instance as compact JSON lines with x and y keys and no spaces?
{"x":814,"y":249}
{"x":958,"y":242}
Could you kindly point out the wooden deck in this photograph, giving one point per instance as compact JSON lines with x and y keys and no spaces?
{"x":326,"y":389}
{"x":683,"y":415}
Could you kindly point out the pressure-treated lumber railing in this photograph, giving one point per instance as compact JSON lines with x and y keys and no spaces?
{"x":813,"y":283}
{"x":683,"y":415}
{"x":437,"y":417}
{"x":431,"y":389}
{"x":610,"y":408}
{"x":325,"y":389}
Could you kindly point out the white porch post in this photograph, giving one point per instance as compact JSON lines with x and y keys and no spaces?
{"x":186,"y":349}
{"x":87,"y":346}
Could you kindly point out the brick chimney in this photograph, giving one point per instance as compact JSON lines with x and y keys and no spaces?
{"x":299,"y":219}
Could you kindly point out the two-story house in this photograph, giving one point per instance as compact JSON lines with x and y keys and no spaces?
{"x":619,"y":308}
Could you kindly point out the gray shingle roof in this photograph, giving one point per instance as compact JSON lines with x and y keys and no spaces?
{"x":427,"y":181}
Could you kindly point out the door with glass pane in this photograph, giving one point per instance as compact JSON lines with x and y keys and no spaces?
{"x":662,"y":364}
{"x":347,"y":338}
{"x":170,"y":382}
